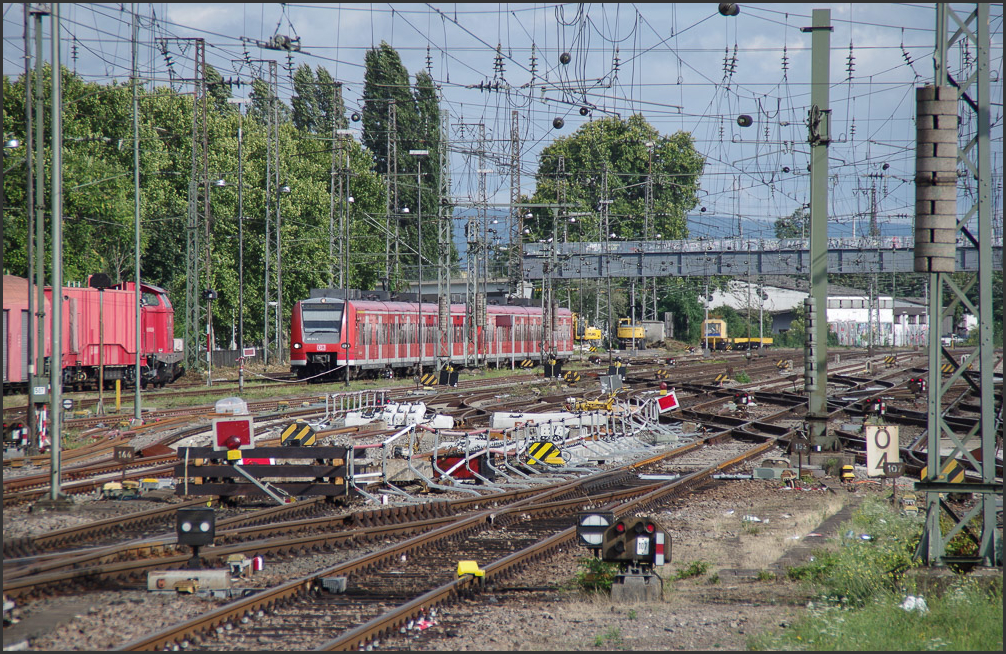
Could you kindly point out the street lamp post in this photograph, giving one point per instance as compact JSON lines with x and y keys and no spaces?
{"x":209,"y":295}
{"x":345,"y":247}
{"x":280,"y":355}
{"x":241,"y":243}
{"x":419,"y":154}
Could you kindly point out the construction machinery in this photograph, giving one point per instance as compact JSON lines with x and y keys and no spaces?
{"x":584,"y":333}
{"x":630,"y":333}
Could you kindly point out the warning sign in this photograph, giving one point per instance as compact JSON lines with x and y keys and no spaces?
{"x":668,"y":402}
{"x":545,"y":452}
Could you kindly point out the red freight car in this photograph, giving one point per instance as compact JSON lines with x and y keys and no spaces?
{"x":376,"y":336}
{"x":96,"y":321}
{"x":15,"y":332}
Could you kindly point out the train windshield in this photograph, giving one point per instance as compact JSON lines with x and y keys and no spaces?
{"x":322,"y":317}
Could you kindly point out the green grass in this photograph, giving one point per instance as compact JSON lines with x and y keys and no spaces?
{"x":594,"y":574}
{"x":611,"y":639}
{"x":694,"y":569}
{"x":862,"y":584}
{"x":859,"y":569}
{"x":742,"y":378}
{"x":964,"y":618}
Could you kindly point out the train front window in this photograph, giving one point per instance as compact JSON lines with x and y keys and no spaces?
{"x":322,"y":318}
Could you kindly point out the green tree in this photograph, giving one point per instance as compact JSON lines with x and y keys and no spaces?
{"x":417,"y":127}
{"x":386,"y":80}
{"x":795,"y":225}
{"x":219,"y":91}
{"x":620,"y":147}
{"x":626,"y":149}
{"x":329,"y":101}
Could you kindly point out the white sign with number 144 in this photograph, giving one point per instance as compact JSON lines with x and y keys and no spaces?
{"x":881,"y":448}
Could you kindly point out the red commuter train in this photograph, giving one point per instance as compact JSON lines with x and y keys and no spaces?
{"x":91,"y":318}
{"x":381,"y":337}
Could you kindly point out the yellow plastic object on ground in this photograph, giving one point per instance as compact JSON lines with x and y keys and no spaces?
{"x":470,"y":568}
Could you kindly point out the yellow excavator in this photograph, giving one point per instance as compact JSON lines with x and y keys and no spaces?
{"x":627,"y":331}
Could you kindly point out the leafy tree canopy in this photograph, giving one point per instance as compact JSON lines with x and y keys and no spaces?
{"x":621,"y":148}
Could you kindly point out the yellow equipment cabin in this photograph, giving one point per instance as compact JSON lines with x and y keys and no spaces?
{"x":714,"y":331}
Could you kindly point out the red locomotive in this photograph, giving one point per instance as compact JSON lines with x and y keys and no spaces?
{"x":92,"y":318}
{"x":381,"y":337}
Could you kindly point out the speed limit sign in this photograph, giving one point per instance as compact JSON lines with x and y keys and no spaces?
{"x":881,"y":448}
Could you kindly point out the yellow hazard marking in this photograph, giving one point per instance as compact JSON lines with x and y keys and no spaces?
{"x":952,"y":472}
{"x":545,"y":452}
{"x":429,"y":379}
{"x":298,"y":433}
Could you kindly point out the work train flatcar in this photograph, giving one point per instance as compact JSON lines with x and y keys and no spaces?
{"x":98,"y":330}
{"x":378,"y":337}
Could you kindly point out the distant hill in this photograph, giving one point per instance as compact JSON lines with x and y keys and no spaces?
{"x":703,"y":226}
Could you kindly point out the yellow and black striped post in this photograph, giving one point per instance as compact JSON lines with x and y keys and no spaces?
{"x":429,"y":379}
{"x":527,"y":363}
{"x":722,"y":378}
{"x":298,"y":434}
{"x":571,"y":376}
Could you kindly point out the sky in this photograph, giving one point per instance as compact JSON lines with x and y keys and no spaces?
{"x":683,"y":66}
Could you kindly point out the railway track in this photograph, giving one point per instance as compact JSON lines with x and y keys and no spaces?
{"x":394,"y":591}
{"x":397,"y":591}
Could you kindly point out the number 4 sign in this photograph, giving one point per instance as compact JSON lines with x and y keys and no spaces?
{"x":881,"y":448}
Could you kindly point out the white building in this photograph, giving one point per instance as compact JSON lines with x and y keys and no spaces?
{"x":894,"y":322}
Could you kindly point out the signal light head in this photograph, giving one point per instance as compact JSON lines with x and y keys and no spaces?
{"x":650,"y":528}
{"x":232,"y":442}
{"x":620,"y":527}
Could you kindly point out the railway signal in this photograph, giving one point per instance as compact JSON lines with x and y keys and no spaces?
{"x":876,"y":408}
{"x":591,"y":526}
{"x":195,"y":528}
{"x":233,"y":435}
{"x":639,"y":544}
